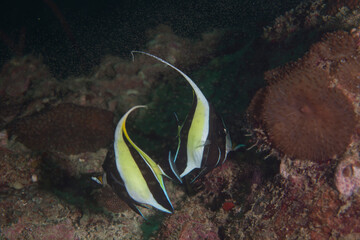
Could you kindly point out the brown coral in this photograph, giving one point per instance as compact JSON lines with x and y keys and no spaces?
{"x":305,"y":119}
{"x":67,"y":128}
{"x":334,"y":47}
{"x":306,"y":111}
{"x":348,"y":74}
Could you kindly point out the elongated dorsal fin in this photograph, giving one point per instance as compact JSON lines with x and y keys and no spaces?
{"x":197,"y":90}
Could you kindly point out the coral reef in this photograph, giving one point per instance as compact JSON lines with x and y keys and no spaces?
{"x":306,"y":101}
{"x":348,"y":75}
{"x":55,"y":133}
{"x":322,"y":15}
{"x":40,"y":200}
{"x":35,"y":214}
{"x":17,"y":171}
{"x":216,"y":198}
{"x":190,"y":223}
{"x":67,"y":128}
{"x":347,"y":175}
{"x":203,"y":215}
{"x":281,"y":210}
{"x":23,"y":80}
{"x":333,"y":6}
{"x":18,"y":74}
{"x":315,"y":100}
{"x":216,"y":188}
{"x":300,"y":106}
{"x":50,"y":194}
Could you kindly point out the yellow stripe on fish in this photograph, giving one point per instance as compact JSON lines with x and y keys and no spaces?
{"x":126,"y":171}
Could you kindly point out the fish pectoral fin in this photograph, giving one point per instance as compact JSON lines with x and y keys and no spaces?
{"x":235,"y":148}
{"x":207,"y":142}
{"x":174,"y":168}
{"x":116,"y":180}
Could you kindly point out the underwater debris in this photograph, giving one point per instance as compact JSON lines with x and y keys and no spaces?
{"x":304,"y":113}
{"x":67,"y":128}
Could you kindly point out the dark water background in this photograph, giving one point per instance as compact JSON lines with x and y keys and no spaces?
{"x":72,"y":36}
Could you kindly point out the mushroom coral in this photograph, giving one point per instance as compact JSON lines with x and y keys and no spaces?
{"x":307,"y":109}
{"x":66,"y":128}
{"x":305,"y":119}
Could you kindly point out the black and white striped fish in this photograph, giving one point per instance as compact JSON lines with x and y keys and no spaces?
{"x":203,"y":140}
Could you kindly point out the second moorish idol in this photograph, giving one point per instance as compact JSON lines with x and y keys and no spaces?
{"x":204,"y":141}
{"x":132,"y":174}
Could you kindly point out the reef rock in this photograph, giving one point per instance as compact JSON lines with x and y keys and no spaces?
{"x":281,"y":210}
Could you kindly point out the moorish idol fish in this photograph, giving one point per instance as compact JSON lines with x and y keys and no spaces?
{"x":132,"y":174}
{"x":203,"y":140}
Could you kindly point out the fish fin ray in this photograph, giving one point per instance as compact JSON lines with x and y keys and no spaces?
{"x":174,"y":168}
{"x":199,"y":174}
{"x":197,"y":90}
{"x":217,"y":163}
